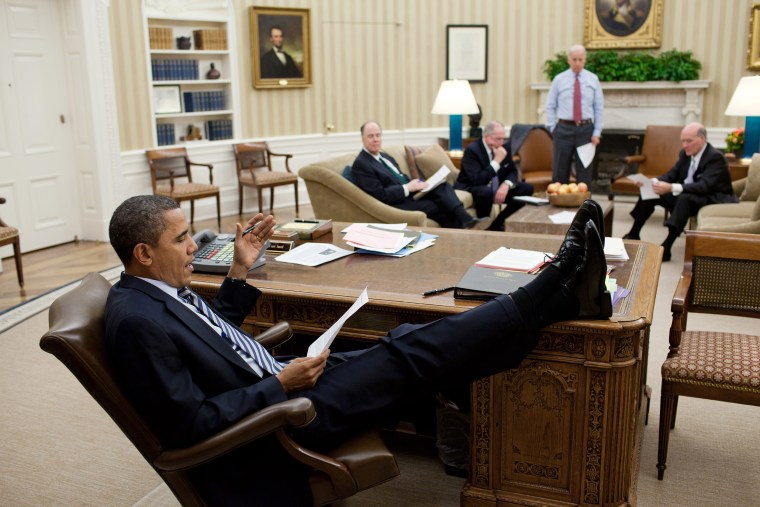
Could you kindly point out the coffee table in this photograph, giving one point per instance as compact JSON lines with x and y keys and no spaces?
{"x":535,"y":219}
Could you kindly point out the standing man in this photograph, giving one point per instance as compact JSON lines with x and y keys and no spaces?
{"x":276,"y":63}
{"x":490,"y":175}
{"x":700,"y":177}
{"x":377,"y":173}
{"x":574,"y":116}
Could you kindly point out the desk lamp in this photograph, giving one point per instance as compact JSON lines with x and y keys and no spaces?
{"x":746,"y":102}
{"x":455,"y":98}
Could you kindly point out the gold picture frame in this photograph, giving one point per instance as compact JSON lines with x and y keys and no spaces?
{"x":623,"y":24}
{"x":753,"y":51}
{"x":291,"y":68}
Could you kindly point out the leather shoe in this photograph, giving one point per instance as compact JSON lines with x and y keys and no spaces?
{"x":597,"y":215}
{"x":570,"y":253}
{"x":666,"y":255}
{"x":473,"y":223}
{"x":631,"y":236}
{"x":587,"y":283}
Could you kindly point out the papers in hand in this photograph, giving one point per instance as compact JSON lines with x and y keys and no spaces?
{"x":514,"y":259}
{"x":435,"y":180}
{"x":586,"y":153}
{"x":325,"y":340}
{"x":646,"y":190}
{"x":313,"y":254}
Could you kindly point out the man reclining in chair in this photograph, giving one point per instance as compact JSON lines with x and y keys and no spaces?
{"x":191,"y":372}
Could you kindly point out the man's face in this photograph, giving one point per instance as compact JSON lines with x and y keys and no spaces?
{"x":276,"y":37}
{"x":577,"y":59}
{"x":372,"y":138}
{"x":496,"y":138}
{"x":171,"y":259}
{"x":691,"y":141}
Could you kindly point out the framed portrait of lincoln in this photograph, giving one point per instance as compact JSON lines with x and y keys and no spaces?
{"x":280,"y":49}
{"x":623,"y":24}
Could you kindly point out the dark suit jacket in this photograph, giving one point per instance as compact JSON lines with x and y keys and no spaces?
{"x":272,"y":67}
{"x":376,"y":179}
{"x":477,"y":171}
{"x":711,"y":178}
{"x":188,"y":383}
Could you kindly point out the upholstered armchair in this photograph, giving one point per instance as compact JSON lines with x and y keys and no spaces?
{"x":744,"y":216}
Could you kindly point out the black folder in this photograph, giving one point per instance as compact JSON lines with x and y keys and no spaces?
{"x":485,"y":283}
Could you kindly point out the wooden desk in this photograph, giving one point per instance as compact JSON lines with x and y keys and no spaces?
{"x":535,"y":219}
{"x":563,"y":428}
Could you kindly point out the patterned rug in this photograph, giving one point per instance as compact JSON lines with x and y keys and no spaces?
{"x":19,"y":313}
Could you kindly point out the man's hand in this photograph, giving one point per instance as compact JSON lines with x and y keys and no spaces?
{"x":302,"y":373}
{"x":416,"y":185}
{"x":661,"y":187}
{"x":499,"y":154}
{"x":595,"y":140}
{"x":501,"y":193}
{"x":247,"y":247}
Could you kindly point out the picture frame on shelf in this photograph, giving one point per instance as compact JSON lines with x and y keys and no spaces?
{"x":166,"y":99}
{"x":467,"y":52}
{"x":280,"y":47}
{"x":624,"y":24}
{"x":753,"y":51}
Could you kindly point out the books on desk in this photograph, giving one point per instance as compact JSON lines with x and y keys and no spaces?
{"x":307,"y":229}
{"x":485,"y":283}
{"x":514,"y":259}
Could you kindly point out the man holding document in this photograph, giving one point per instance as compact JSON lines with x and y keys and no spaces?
{"x":190,"y":371}
{"x":699,"y":177}
{"x":377,"y":173}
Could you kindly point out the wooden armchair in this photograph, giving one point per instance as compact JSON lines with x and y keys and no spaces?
{"x":534,"y":158}
{"x":10,"y":236}
{"x":167,"y":165}
{"x":721,"y":275}
{"x":254,"y":169}
{"x":659,"y":153}
{"x":77,"y":338}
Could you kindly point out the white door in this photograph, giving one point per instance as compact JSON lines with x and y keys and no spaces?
{"x":37,"y":174}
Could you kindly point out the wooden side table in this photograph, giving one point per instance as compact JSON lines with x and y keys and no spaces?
{"x":738,"y":167}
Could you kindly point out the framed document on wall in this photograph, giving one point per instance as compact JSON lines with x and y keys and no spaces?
{"x":467,"y":52}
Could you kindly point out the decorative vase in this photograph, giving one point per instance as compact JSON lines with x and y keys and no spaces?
{"x":183,"y":42}
{"x":213,"y":73}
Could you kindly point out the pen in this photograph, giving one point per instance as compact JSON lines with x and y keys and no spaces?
{"x":437,"y":291}
{"x":300,"y":220}
{"x":249,"y":229}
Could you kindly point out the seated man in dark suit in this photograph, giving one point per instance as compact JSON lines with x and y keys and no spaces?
{"x":377,"y":173}
{"x":190,"y":371}
{"x":490,"y":175}
{"x":700,"y":177}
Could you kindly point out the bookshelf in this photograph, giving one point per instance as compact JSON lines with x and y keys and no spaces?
{"x":186,"y":104}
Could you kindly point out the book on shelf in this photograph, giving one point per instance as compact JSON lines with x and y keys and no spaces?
{"x":307,"y":228}
{"x":485,"y":283}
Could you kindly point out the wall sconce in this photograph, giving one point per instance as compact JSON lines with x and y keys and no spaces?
{"x":455,"y":98}
{"x":746,"y":102}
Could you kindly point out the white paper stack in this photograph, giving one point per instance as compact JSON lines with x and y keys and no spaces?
{"x":514,"y":259}
{"x":614,"y":249}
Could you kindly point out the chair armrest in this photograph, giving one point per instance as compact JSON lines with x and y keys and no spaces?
{"x":739,"y":186}
{"x":287,"y":156}
{"x":516,"y":158}
{"x":275,"y":335}
{"x":294,"y":413}
{"x":632,"y":159}
{"x":680,"y":311}
{"x":210,"y":170}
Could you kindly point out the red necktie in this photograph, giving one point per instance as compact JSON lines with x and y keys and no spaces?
{"x":577,"y":101}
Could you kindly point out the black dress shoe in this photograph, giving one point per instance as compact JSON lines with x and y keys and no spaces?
{"x":631,"y":236}
{"x":666,"y":255}
{"x":588,"y":281}
{"x":597,"y":215}
{"x":474,"y":222}
{"x":571,"y":251}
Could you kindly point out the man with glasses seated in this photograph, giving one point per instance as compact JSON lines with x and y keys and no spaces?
{"x":490,"y":175}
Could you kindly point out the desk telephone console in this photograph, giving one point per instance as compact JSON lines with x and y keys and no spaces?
{"x":214,"y":253}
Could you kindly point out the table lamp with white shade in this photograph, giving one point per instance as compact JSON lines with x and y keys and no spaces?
{"x":455,"y":98}
{"x":746,"y":102}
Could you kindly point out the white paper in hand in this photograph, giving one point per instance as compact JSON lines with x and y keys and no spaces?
{"x":646,"y":190}
{"x":323,"y":342}
{"x":586,"y":152}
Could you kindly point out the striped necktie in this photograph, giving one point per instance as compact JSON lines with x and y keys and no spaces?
{"x":231,"y":333}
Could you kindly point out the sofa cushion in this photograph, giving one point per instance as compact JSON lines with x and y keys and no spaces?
{"x":347,"y":174}
{"x":752,"y":189}
{"x":430,"y":160}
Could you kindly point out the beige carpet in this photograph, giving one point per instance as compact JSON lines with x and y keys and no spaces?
{"x":57,"y":447}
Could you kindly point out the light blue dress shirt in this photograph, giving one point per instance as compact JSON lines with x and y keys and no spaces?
{"x":559,"y":103}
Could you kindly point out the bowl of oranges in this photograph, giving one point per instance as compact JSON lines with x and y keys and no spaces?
{"x":569,"y":195}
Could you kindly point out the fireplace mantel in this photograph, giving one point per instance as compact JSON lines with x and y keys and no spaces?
{"x":634,"y":105}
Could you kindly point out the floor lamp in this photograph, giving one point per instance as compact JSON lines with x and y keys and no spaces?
{"x":455,"y":98}
{"x":746,"y":102}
